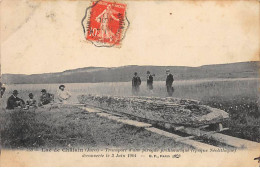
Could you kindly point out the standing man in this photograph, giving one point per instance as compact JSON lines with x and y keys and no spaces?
{"x":63,"y":95}
{"x":14,"y":101}
{"x":150,"y":81}
{"x":136,"y":82}
{"x":169,"y":81}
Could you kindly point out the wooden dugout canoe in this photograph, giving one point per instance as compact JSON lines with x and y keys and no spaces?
{"x":168,"y":110}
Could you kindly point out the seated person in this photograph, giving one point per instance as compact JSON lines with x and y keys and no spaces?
{"x":46,"y":98}
{"x":14,"y":101}
{"x":31,"y":102}
{"x":62,"y":94}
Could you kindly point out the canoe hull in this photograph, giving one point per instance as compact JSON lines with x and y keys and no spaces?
{"x":167,"y":110}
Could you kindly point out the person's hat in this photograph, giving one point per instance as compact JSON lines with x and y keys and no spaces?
{"x":43,"y":90}
{"x":135,"y":73}
{"x":148,"y":72}
{"x":61,"y":86}
{"x":30,"y":94}
{"x":15,"y":92}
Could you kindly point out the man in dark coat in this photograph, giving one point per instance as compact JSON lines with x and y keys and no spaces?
{"x":169,"y":81}
{"x":149,"y":81}
{"x":14,"y":101}
{"x":136,"y":82}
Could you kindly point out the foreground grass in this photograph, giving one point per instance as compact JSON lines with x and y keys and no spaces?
{"x":73,"y":127}
{"x":244,"y":115}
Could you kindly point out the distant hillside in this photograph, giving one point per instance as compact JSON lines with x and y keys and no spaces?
{"x":125,"y":73}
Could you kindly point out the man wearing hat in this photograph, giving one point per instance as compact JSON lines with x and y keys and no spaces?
{"x":14,"y":101}
{"x":136,"y":82}
{"x":169,"y":81}
{"x":63,"y":95}
{"x":45,"y":98}
{"x":149,"y":81}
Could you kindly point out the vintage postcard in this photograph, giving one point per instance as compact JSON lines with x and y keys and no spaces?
{"x":130,"y":83}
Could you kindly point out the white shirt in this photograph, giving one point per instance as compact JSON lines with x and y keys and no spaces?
{"x":63,"y":95}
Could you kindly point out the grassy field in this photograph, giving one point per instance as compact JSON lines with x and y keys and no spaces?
{"x":68,"y":127}
{"x":238,"y":97}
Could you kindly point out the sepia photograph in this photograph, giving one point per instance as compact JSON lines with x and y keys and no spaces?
{"x":130,"y":83}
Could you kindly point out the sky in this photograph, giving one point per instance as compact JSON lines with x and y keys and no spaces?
{"x":46,"y":36}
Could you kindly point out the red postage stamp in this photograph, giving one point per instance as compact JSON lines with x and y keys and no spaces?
{"x":106,"y":24}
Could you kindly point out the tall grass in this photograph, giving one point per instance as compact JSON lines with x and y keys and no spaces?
{"x":20,"y":129}
{"x":68,"y":127}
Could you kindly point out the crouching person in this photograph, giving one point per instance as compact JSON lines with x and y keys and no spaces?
{"x":14,"y":101}
{"x":63,"y":95}
{"x":46,"y":98}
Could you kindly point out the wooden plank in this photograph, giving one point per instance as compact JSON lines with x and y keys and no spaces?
{"x":232,"y":141}
{"x":163,"y":133}
{"x":199,"y":145}
{"x":135,"y":123}
{"x":105,"y":111}
{"x":229,"y":140}
{"x":74,"y":104}
{"x":90,"y":110}
{"x":185,"y":138}
{"x":124,"y":121}
{"x":195,"y":144}
{"x":106,"y":115}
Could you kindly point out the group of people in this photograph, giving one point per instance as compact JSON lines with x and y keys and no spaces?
{"x":136,"y":82}
{"x":63,"y":95}
{"x":45,"y":98}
